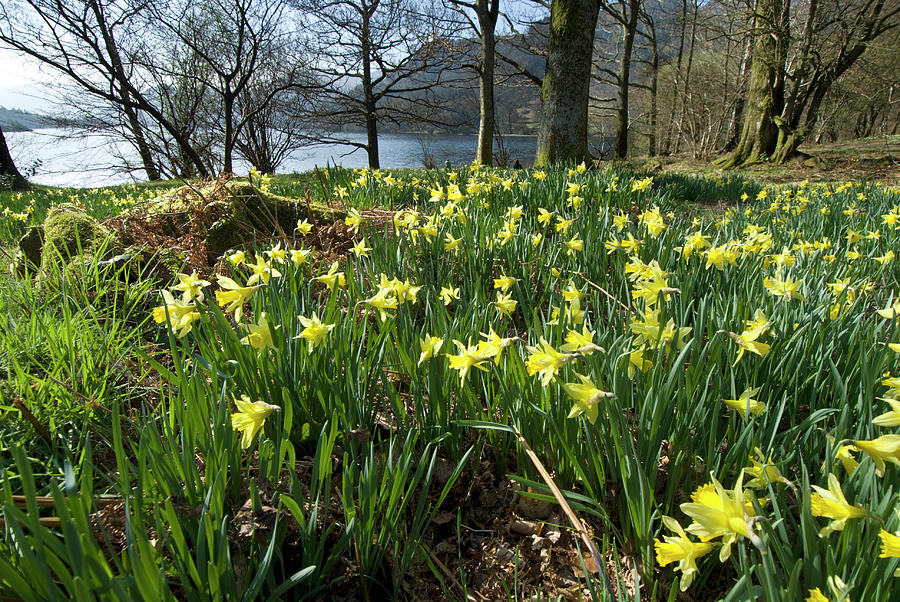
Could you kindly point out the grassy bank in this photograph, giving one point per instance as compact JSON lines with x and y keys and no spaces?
{"x":579,"y":383}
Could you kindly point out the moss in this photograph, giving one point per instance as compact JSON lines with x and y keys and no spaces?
{"x":231,"y":214}
{"x":69,"y":232}
{"x":30,"y":246}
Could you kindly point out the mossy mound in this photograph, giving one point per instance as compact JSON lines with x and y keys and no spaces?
{"x":69,"y":232}
{"x":204,"y":220}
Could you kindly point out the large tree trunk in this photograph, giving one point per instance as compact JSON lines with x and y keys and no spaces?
{"x":759,"y":134}
{"x":487,"y":21}
{"x":8,"y":171}
{"x":562,"y":135}
{"x":629,"y":28}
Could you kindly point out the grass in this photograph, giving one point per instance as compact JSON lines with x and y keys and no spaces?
{"x":700,"y":352}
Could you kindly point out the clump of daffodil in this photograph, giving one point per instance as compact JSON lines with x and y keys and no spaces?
{"x":250,"y":418}
{"x":681,"y":549}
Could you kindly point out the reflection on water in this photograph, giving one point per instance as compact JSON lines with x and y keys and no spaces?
{"x":57,"y":157}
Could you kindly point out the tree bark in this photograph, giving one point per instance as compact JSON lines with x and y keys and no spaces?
{"x":759,"y":134}
{"x":562,"y":134}
{"x":487,"y":21}
{"x":629,"y":27}
{"x":369,"y":104}
{"x":8,"y":169}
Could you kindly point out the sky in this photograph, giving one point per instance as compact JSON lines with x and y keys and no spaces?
{"x":20,"y":83}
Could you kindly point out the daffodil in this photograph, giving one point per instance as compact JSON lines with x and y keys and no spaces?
{"x":890,"y":544}
{"x":764,"y":472}
{"x":505,"y":304}
{"x":314,"y":331}
{"x":747,"y":340}
{"x":360,"y":249}
{"x":745,"y":404}
{"x":304,"y":227}
{"x":681,"y":549}
{"x":785,"y":288}
{"x":181,"y":315}
{"x":448,"y":294}
{"x":586,"y":396}
{"x":891,"y":418}
{"x":883,"y":449}
{"x":332,"y":277}
{"x":546,"y":361}
{"x":718,"y":512}
{"x":504,"y":283}
{"x":468,"y":357}
{"x":430,"y":345}
{"x":262,"y":272}
{"x":250,"y":418}
{"x":234,"y":295}
{"x":353,"y":220}
{"x":831,"y":503}
{"x":384,"y":300}
{"x":191,"y":287}
{"x":581,"y":342}
{"x":260,"y":336}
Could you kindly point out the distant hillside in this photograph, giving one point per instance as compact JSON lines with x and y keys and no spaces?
{"x":17,"y":120}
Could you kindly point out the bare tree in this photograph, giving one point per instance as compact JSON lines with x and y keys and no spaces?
{"x":376,"y":61}
{"x":792,"y":74}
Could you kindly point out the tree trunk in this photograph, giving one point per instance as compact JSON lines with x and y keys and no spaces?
{"x":228,"y":106}
{"x":8,"y":172}
{"x":140,"y":141}
{"x":369,"y":103}
{"x":562,"y":135}
{"x":654,"y":91}
{"x":667,"y":137}
{"x":759,"y":134}
{"x":737,"y":112}
{"x":487,"y":20}
{"x":629,"y":28}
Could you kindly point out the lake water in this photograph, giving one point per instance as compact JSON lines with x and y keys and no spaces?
{"x":56,"y":157}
